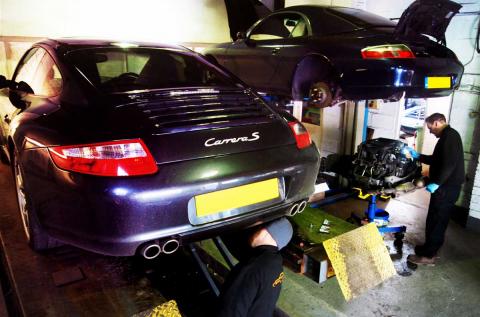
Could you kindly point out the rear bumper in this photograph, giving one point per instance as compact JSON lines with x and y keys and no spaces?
{"x":115,"y":216}
{"x":381,"y":79}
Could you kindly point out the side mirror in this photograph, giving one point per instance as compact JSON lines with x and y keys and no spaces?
{"x":4,"y":82}
{"x":241,"y":35}
{"x":18,"y":93}
{"x":23,"y":88}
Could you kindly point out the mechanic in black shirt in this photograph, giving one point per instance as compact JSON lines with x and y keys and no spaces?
{"x":446,"y":175}
{"x":253,"y":286}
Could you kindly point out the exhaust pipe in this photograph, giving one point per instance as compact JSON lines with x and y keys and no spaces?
{"x":150,"y":250}
{"x":302,"y":206}
{"x":293,"y":210}
{"x":170,"y":246}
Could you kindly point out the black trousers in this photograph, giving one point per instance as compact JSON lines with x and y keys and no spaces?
{"x":442,"y":204}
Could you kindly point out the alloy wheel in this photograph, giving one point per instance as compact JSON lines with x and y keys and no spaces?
{"x":320,"y":95}
{"x":22,"y":200}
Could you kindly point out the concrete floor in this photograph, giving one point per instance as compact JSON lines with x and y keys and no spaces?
{"x":451,"y":288}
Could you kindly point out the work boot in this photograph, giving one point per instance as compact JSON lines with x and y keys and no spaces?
{"x":420,"y":251}
{"x":421,"y":260}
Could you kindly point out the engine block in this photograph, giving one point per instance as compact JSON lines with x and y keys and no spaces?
{"x":380,"y":163}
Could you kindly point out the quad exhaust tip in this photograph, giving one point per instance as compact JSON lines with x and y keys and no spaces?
{"x":302,"y":206}
{"x":293,"y":210}
{"x":297,"y":208}
{"x":153,"y":249}
{"x":170,"y":246}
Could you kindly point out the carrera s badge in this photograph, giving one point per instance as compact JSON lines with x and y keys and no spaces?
{"x":212,"y":142}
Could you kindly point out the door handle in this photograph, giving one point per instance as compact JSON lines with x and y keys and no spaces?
{"x":7,"y":119}
{"x":275,"y":51}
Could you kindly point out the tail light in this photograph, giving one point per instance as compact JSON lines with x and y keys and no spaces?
{"x":301,"y":134}
{"x":387,"y":51}
{"x":116,"y":158}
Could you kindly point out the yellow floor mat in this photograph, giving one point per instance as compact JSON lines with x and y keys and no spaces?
{"x":168,"y":309}
{"x":360,"y":260}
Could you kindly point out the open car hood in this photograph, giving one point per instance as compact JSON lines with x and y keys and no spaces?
{"x":430,"y":17}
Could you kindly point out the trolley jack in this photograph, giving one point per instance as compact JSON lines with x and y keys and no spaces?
{"x":379,"y":216}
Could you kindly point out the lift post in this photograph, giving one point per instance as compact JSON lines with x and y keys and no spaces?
{"x":224,"y":252}
{"x":203,"y":267}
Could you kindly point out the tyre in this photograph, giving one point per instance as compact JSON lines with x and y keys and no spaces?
{"x":320,"y":95}
{"x":37,"y":239}
{"x":314,"y":79}
{"x":3,"y":157}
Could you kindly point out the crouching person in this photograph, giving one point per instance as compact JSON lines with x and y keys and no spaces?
{"x":253,"y":286}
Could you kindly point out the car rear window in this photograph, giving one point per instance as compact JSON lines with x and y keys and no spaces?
{"x":126,"y":69}
{"x":360,"y":18}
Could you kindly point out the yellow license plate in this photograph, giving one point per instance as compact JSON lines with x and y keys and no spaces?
{"x":236,"y":197}
{"x":438,"y":82}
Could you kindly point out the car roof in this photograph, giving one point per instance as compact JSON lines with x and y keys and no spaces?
{"x":69,"y":44}
{"x":322,"y":21}
{"x":306,"y":9}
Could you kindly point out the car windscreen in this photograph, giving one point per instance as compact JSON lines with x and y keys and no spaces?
{"x":362,"y":19}
{"x":126,"y":69}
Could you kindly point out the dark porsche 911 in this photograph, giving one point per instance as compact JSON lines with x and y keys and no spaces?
{"x":121,"y":148}
{"x":332,"y":53}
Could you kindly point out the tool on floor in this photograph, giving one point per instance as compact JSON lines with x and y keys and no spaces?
{"x":325,"y":227}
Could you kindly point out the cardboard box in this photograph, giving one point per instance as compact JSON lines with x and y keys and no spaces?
{"x":319,"y":193}
{"x":316,"y":197}
{"x":309,"y":260}
{"x":316,"y":265}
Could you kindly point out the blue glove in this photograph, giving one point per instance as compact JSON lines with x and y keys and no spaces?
{"x":432,"y":187}
{"x":414,"y":154}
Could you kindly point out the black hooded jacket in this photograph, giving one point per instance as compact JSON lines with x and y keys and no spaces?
{"x":446,"y":162}
{"x":253,"y":286}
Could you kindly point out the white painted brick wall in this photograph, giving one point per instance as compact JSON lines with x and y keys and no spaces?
{"x":476,"y":183}
{"x":475,"y":205}
{"x":475,"y":198}
{"x":476,"y":191}
{"x":475,"y":214}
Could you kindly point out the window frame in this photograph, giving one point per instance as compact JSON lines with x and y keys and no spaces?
{"x":285,"y":13}
{"x":46,"y":54}
{"x":53,"y":64}
{"x":24,"y":60}
{"x":225,"y":80}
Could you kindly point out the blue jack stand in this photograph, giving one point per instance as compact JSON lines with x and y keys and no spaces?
{"x":379,"y":216}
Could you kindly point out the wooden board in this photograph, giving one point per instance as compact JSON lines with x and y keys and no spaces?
{"x":310,"y":220}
